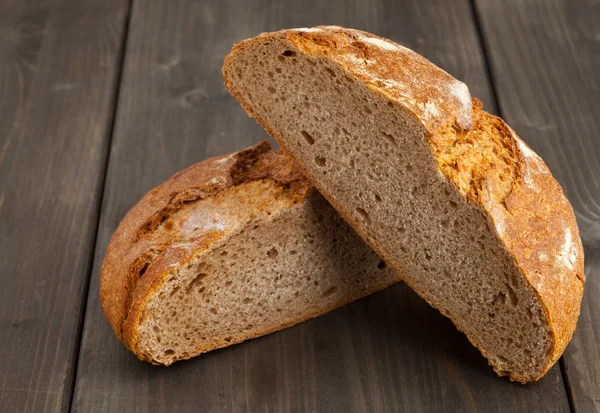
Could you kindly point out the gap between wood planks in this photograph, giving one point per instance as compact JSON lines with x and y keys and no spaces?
{"x":114,"y":103}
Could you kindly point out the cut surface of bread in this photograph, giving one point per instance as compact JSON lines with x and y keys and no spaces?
{"x":230,"y":249}
{"x":448,"y":194}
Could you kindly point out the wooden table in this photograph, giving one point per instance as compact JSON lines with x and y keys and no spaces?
{"x":101,"y":100}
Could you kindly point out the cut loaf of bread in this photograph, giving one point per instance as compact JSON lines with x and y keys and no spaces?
{"x":445,"y":192}
{"x":230,"y":249}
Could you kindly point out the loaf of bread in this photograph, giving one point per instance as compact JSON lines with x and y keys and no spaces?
{"x":230,"y":249}
{"x":448,"y":194}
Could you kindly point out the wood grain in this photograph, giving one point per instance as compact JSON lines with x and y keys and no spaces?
{"x":388,"y":352}
{"x":58,"y":66}
{"x":545,"y":57}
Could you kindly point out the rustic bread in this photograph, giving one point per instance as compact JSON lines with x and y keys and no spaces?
{"x":232,"y":248}
{"x":445,"y":192}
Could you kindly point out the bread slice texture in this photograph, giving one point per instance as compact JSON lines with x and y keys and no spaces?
{"x":448,"y":194}
{"x":230,"y":249}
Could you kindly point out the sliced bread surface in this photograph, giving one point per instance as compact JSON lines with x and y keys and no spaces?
{"x":230,"y":249}
{"x":448,"y":194}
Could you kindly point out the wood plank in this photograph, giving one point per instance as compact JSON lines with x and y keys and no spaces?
{"x":388,"y":352}
{"x":545,"y":58}
{"x":58,"y":69}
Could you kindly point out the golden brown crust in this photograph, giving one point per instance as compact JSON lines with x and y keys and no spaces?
{"x":477,"y":152}
{"x":541,"y":233}
{"x":492,"y":167}
{"x":405,"y":77}
{"x":150,"y":238}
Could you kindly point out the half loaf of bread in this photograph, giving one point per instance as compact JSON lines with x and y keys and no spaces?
{"x":230,"y":249}
{"x":447,"y":193}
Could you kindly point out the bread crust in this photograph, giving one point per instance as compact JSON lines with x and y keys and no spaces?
{"x":137,"y":258}
{"x":529,"y":213}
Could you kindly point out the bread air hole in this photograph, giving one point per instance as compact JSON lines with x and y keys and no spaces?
{"x":288,"y":53}
{"x":330,"y":291}
{"x":320,"y":161}
{"x":144,"y":268}
{"x":381,"y":265}
{"x":499,"y":299}
{"x":197,"y":280}
{"x":307,"y":137}
{"x":272,"y":253}
{"x":363,"y":215}
{"x":512,"y":297}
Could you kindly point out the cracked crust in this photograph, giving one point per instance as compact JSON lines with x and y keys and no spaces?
{"x":478,"y":153}
{"x":148,"y":241}
{"x":494,"y":169}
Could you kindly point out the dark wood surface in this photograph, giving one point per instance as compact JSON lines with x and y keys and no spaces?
{"x":58,"y":67}
{"x":61,"y":80}
{"x":545,"y":57}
